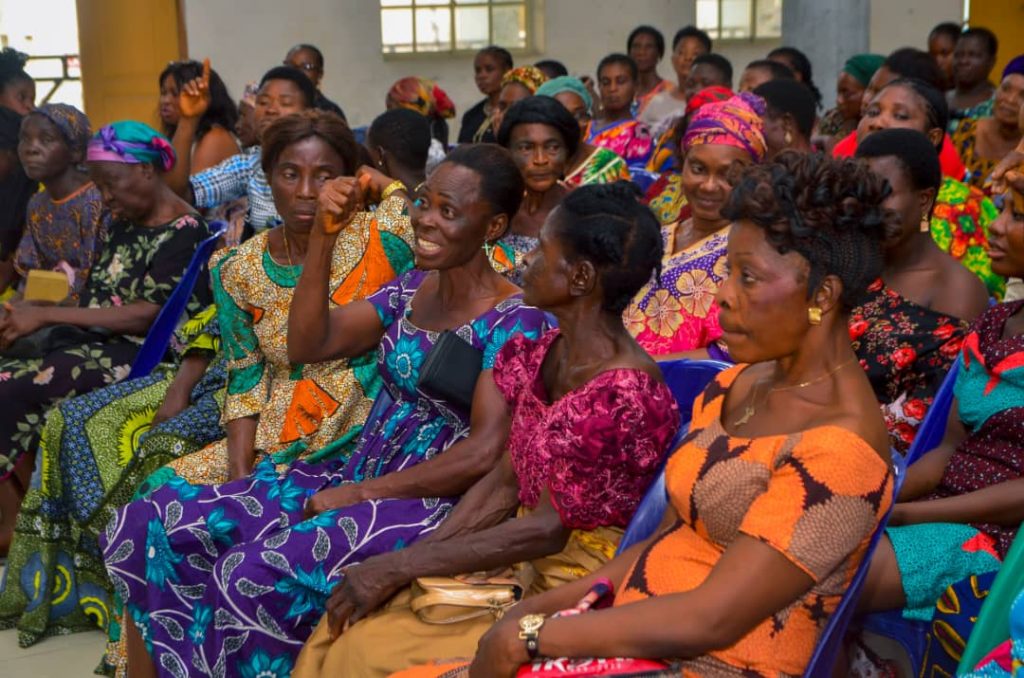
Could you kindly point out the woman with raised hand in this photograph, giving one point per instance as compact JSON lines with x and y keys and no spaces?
{"x":281,"y":539}
{"x":200,"y":127}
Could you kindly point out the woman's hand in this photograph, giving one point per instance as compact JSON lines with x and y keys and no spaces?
{"x":374,"y":182}
{"x":194,"y":98}
{"x":364,"y":588}
{"x":175,"y":402}
{"x":335,"y":498}
{"x":500,"y":652}
{"x":340,"y":200}
{"x":21,"y":320}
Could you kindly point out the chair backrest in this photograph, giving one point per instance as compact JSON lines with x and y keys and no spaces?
{"x":933,"y":428}
{"x":642,"y":178}
{"x":827,"y":649}
{"x":159,"y":336}
{"x":687,"y":379}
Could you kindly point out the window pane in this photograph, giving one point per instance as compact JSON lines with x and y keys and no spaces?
{"x":736,"y":18}
{"x":769,"y":19}
{"x":395,"y":3}
{"x":707,"y":14}
{"x":509,"y":29}
{"x":471,"y":28}
{"x":433,"y":30}
{"x":396,"y":30}
{"x":443,"y":3}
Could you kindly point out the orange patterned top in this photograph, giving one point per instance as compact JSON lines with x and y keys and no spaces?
{"x":815,"y":496}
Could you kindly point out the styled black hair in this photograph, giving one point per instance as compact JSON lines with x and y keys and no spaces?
{"x":935,"y":105}
{"x":544,"y":111}
{"x":607,"y":225}
{"x":801,"y":66}
{"x":551,"y":68}
{"x":294,"y":75}
{"x":908,"y":62}
{"x":828,"y":211}
{"x":659,"y":39}
{"x":12,"y":67}
{"x":789,"y":96}
{"x":618,"y":58}
{"x":719,"y":63}
{"x":317,"y":54}
{"x":404,"y":134}
{"x":692,"y":32}
{"x":914,"y":151}
{"x":778,"y":70}
{"x":948,"y":29}
{"x":501,"y":183}
{"x":222,"y":111}
{"x":499,"y":53}
{"x":291,"y":129}
{"x":986,"y":36}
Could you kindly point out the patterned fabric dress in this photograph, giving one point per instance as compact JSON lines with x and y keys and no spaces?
{"x":303,"y":410}
{"x":578,"y":448}
{"x":138,"y":263}
{"x":960,"y":221}
{"x":907,"y":351}
{"x":71,"y":231}
{"x":665,"y":198}
{"x":792,"y":493}
{"x":629,"y":139}
{"x":680,"y":313}
{"x":982,"y":110}
{"x":965,"y":138}
{"x":95,"y":450}
{"x":229,"y":579}
{"x":601,"y":167}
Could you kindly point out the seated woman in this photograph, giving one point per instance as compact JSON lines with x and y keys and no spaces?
{"x":271,"y":568}
{"x":575,"y":480}
{"x":784,"y":476}
{"x":65,"y":223}
{"x":516,"y":85}
{"x":489,"y":65}
{"x":150,"y":244}
{"x":983,"y":142}
{"x":676,"y":312}
{"x":908,"y":331}
{"x":428,"y":99}
{"x":962,"y":214}
{"x":974,"y":57}
{"x":840,"y":121}
{"x":589,"y":164}
{"x":614,"y":127}
{"x":789,"y":116}
{"x":760,"y":71}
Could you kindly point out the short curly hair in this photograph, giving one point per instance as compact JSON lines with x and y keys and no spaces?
{"x":828,"y":211}
{"x":291,"y":129}
{"x":607,"y":225}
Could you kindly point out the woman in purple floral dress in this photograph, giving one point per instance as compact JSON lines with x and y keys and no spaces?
{"x":228,"y":580}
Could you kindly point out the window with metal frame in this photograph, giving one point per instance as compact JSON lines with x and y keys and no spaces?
{"x":452,"y":26}
{"x":740,"y":19}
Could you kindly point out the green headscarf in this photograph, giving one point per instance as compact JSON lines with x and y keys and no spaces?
{"x":863,"y":66}
{"x":566,"y":83}
{"x":131,"y":142}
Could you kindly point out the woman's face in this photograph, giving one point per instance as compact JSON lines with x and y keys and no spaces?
{"x":763,"y":299}
{"x":702,"y":76}
{"x":510,"y":93}
{"x":42,"y":150}
{"x":972,"y":62}
{"x":941,"y":47}
{"x":487,"y":72}
{"x":909,"y":205}
{"x":849,"y":94}
{"x":574,"y":104}
{"x":297,"y":176}
{"x":276,"y":99}
{"x":19,"y":96}
{"x":1009,"y":99}
{"x":644,"y":51}
{"x":686,"y":50}
{"x":618,"y":88}
{"x":170,"y":113}
{"x":546,"y":271}
{"x":451,"y":219}
{"x":245,"y":128}
{"x":882,"y":77}
{"x":540,"y":155}
{"x":753,"y":78}
{"x":788,"y":63}
{"x":896,"y":107}
{"x":306,"y":61}
{"x":129,"y":191}
{"x":705,"y":180}
{"x":1006,"y":242}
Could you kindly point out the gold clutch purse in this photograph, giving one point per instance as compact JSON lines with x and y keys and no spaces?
{"x":450,"y":600}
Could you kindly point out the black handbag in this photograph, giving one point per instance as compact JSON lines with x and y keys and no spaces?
{"x":450,"y":372}
{"x":46,"y":340}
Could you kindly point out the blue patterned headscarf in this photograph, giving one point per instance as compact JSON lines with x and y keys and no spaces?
{"x":70,"y":122}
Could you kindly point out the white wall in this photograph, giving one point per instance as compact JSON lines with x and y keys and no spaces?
{"x":906,"y":23}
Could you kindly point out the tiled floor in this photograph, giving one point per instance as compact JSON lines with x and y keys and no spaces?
{"x":72,"y":656}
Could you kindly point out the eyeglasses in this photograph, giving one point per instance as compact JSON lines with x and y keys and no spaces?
{"x":304,"y":67}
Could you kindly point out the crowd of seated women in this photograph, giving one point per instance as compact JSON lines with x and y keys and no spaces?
{"x":416,"y":373}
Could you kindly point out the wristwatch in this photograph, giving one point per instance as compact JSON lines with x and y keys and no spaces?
{"x":529,"y":631}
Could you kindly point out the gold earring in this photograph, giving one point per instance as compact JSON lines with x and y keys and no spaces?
{"x":789,"y":137}
{"x":814,"y":315}
{"x":926,"y":224}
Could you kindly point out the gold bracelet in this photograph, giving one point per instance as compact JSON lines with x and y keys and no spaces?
{"x":395,"y":185}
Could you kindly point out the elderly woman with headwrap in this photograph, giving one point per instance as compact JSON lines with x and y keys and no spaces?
{"x":589,"y":164}
{"x":677,"y":312}
{"x":516,"y":84}
{"x":429,"y":100}
{"x":66,"y":221}
{"x":50,"y":352}
{"x":838,"y":122}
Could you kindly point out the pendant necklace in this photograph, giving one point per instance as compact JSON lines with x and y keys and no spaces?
{"x":751,"y":408}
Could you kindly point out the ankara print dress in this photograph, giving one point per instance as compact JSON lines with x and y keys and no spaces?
{"x":229,"y":580}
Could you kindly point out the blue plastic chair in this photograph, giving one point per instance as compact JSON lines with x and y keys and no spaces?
{"x":159,"y":336}
{"x":687,"y":379}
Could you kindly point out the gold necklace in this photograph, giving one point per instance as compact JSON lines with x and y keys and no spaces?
{"x":751,"y":408}
{"x":287,"y":248}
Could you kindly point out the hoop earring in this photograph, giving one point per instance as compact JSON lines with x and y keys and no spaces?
{"x":814,"y":315}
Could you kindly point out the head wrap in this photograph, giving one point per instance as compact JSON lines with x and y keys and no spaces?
{"x":529,"y":77}
{"x":1015,"y":67}
{"x":736,"y":122}
{"x":132,"y":143}
{"x":862,"y":66}
{"x":423,"y":96}
{"x":565,"y":83}
{"x":708,"y":95}
{"x":71,"y":122}
{"x":250,"y":93}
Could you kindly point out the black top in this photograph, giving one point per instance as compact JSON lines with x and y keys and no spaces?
{"x":472,"y":120}
{"x":324,"y":104}
{"x":15,"y":188}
